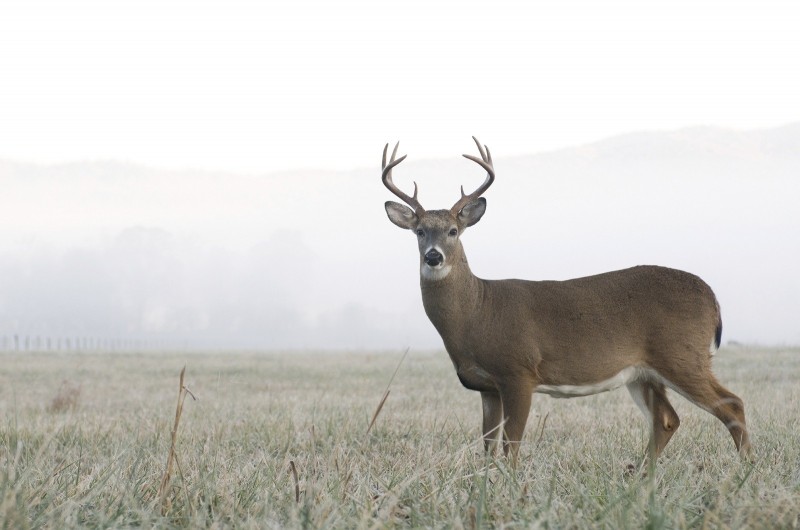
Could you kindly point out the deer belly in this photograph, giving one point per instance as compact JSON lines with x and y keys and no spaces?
{"x":625,"y":376}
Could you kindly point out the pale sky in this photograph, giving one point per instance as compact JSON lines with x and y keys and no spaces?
{"x":266,"y":86}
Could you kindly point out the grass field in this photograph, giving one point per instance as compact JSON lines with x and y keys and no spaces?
{"x":84,"y":440}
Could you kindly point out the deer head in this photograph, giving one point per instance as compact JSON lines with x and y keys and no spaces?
{"x":438,"y":231}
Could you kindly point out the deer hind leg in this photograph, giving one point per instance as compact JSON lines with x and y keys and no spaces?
{"x":492,"y":420}
{"x":708,"y":394}
{"x":652,"y":399}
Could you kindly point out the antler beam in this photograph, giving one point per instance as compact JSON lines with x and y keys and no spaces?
{"x":389,"y":183}
{"x":485,"y":161}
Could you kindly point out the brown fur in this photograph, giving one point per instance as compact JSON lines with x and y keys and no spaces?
{"x":508,"y":337}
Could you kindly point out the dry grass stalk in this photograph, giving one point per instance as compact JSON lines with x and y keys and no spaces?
{"x":66,"y":398}
{"x":378,"y":410}
{"x":473,"y":517}
{"x":541,"y":431}
{"x":172,"y":457}
{"x":386,"y":393}
{"x":293,"y":469}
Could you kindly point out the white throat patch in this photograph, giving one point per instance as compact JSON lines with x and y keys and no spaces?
{"x":434,"y":274}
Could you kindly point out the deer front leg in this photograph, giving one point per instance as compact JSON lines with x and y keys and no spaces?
{"x":516,"y":399}
{"x":492,"y":420}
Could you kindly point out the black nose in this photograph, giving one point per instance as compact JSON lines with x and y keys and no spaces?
{"x":433,"y":258}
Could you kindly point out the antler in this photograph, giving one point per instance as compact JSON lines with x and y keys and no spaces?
{"x":485,"y":161}
{"x":387,"y":179}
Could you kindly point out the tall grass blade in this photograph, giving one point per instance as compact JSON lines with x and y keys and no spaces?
{"x":171,"y":457}
{"x":386,"y":393}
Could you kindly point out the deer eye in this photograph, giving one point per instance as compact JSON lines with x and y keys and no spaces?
{"x":420,"y":232}
{"x":453,"y":232}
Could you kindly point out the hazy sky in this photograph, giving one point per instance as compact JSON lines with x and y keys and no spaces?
{"x":256,"y":87}
{"x":262,"y":86}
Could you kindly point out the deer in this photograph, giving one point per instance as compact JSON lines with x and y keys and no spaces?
{"x":647,"y":328}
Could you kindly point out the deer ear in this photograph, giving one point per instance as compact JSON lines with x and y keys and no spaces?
{"x":472,"y":212}
{"x":402,"y":216}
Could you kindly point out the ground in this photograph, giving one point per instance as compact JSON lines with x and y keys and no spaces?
{"x":277,"y":440}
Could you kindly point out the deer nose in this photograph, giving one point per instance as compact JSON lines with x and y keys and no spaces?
{"x":433,"y":257}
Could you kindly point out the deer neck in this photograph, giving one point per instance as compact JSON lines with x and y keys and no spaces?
{"x":451,"y":302}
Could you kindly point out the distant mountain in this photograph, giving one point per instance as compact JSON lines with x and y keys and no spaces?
{"x":698,"y":142}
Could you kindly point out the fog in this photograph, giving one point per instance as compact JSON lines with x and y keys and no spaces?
{"x":108,"y":252}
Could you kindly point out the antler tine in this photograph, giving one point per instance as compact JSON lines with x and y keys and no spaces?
{"x":485,"y":161}
{"x":389,"y":183}
{"x":480,"y":148}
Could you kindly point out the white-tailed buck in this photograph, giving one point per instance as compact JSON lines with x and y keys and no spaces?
{"x":648,"y":328}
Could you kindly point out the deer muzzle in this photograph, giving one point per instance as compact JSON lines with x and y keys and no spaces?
{"x":433,"y":258}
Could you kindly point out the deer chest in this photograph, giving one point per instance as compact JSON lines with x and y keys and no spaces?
{"x":472,"y":375}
